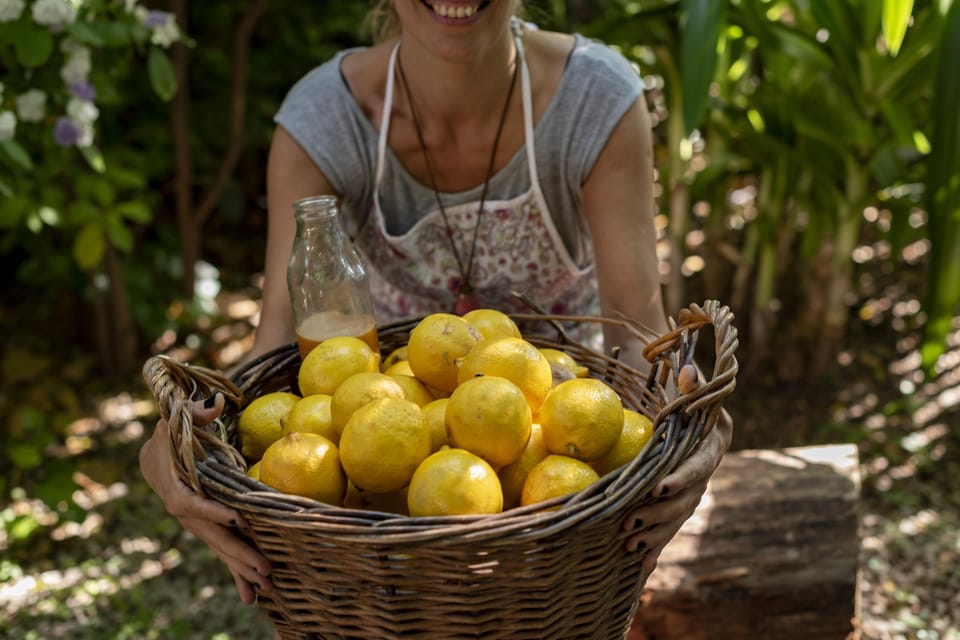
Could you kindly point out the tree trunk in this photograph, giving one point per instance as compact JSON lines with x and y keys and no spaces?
{"x":190,"y":219}
{"x":123,"y":334}
{"x":771,"y":552}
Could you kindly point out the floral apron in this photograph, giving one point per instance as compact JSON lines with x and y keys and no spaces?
{"x":518,"y":248}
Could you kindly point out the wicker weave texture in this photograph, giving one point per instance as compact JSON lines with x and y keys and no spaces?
{"x":553,"y":570}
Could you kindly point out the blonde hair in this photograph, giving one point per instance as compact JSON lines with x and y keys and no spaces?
{"x":384,"y":24}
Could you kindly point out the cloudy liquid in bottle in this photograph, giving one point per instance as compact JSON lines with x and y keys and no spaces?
{"x":328,"y":324}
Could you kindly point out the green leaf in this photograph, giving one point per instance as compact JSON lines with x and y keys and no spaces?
{"x":896,"y":18}
{"x":17,"y":154}
{"x":94,"y":158}
{"x":86,"y":33}
{"x":32,"y":44}
{"x":943,"y":196}
{"x":13,"y":211}
{"x":162,"y":77}
{"x":25,"y":456}
{"x":119,"y":233}
{"x":135,"y":211}
{"x":702,"y":22}
{"x":898,"y":117}
{"x":88,"y":246}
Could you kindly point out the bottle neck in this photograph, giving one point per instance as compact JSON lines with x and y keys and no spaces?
{"x":317,"y":218}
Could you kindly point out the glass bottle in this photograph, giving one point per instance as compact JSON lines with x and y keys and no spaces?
{"x":327,"y":280}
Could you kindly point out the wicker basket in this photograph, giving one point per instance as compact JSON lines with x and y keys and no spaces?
{"x":552,"y":570}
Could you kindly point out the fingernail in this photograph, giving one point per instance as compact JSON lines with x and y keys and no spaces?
{"x":211,"y":401}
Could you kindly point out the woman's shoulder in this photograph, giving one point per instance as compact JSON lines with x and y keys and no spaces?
{"x":319,"y":85}
{"x":599,"y":61}
{"x":350,"y":75}
{"x":576,"y":63}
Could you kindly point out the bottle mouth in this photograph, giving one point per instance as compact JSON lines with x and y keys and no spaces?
{"x":316,"y":204}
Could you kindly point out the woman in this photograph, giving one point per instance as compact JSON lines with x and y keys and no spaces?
{"x":473,"y":155}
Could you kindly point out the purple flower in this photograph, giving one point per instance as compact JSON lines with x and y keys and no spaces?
{"x":66,"y":133}
{"x":83,"y":91}
{"x":156,"y":19}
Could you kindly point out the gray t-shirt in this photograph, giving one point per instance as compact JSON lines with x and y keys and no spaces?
{"x":598,"y":86}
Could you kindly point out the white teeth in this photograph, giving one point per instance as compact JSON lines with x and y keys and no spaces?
{"x":451,"y":11}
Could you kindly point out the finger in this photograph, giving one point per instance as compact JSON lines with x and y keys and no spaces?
{"x":680,"y":505}
{"x":244,"y":588}
{"x":232,"y":550}
{"x":206,"y":411}
{"x":183,"y":503}
{"x":700,"y":465}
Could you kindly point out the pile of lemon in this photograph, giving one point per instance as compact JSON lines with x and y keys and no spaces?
{"x":467,"y":418}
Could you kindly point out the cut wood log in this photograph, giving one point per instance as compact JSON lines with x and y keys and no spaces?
{"x":771,"y":552}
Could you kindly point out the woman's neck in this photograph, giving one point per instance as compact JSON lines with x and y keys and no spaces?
{"x":458,"y":94}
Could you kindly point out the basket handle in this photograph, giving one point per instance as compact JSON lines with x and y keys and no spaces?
{"x":175,"y":386}
{"x":675,"y":349}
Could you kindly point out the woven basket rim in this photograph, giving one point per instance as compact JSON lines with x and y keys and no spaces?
{"x":211,"y":466}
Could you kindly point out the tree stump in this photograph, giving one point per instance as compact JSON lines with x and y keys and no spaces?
{"x":771,"y":552}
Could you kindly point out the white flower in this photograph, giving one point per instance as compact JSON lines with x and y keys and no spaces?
{"x":164,"y":25}
{"x":8,"y":125}
{"x":10,"y":10}
{"x":31,"y":105}
{"x":77,"y":67}
{"x":54,"y":13}
{"x":82,"y":112}
{"x":86,"y":134}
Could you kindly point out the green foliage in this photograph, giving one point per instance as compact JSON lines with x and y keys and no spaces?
{"x":943,"y":194}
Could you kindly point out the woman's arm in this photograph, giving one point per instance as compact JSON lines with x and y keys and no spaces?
{"x":618,"y":197}
{"x":291,"y":175}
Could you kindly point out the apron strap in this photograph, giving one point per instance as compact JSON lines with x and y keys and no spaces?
{"x":383,"y":135}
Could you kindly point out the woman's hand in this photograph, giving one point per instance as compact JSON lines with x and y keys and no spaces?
{"x":678,"y":495}
{"x":207,"y":519}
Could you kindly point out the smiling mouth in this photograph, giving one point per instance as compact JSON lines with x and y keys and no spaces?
{"x":450,"y":10}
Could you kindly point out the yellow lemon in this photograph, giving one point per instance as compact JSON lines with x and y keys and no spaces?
{"x":454,"y":482}
{"x":514,"y":359}
{"x":254,"y":471}
{"x":310,"y":415}
{"x":435,"y":414}
{"x":556,"y":476}
{"x":333,"y":361}
{"x":581,"y":418}
{"x":382,"y":444}
{"x":305,"y":464}
{"x":489,"y":417}
{"x":564,"y":360}
{"x":637,"y":431}
{"x":399,"y":368}
{"x":514,"y":474}
{"x":413,"y":390}
{"x":492,"y":323}
{"x":259,"y":424}
{"x":396,"y":356}
{"x":389,"y":502}
{"x":358,"y":390}
{"x":436,"y":344}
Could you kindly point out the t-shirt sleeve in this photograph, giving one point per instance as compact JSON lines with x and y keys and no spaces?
{"x":604,"y":85}
{"x":320,"y":113}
